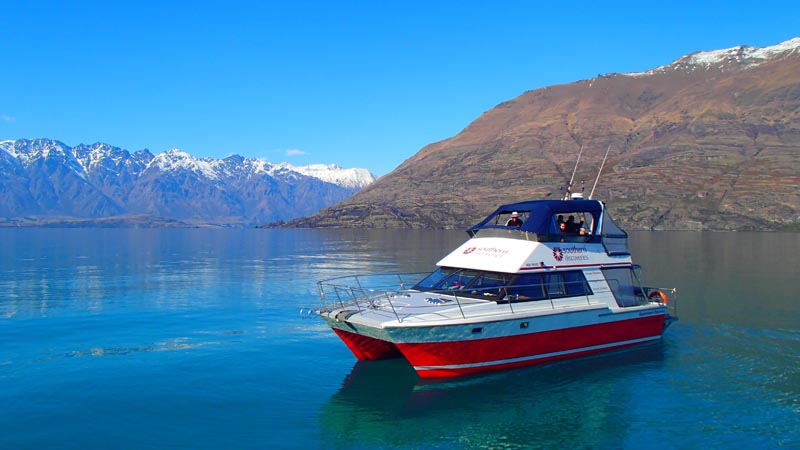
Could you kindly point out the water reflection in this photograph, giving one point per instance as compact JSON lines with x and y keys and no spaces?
{"x":574,"y":403}
{"x":212,"y":315}
{"x":370,"y":251}
{"x":740,"y":278}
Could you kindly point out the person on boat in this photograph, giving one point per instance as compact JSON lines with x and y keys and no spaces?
{"x":572,"y":227}
{"x":562,"y":231}
{"x":514,"y":221}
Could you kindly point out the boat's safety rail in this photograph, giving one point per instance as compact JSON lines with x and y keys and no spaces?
{"x":665,"y":296}
{"x":358,"y":292}
{"x":628,"y":293}
{"x":362,"y":291}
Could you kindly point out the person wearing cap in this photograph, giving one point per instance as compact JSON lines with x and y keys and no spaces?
{"x":514,"y":221}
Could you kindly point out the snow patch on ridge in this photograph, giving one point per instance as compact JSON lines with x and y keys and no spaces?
{"x":333,"y":173}
{"x":8,"y":147}
{"x":744,"y":55}
{"x":176,"y":159}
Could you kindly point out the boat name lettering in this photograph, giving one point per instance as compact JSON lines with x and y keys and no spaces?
{"x":487,"y":251}
{"x":570,"y":254}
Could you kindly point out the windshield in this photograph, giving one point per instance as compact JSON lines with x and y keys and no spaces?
{"x":445,"y":278}
{"x":506,"y":286}
{"x":434,"y":279}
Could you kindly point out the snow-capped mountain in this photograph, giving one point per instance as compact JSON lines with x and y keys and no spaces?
{"x":43,"y":177}
{"x":333,"y":173}
{"x":742,"y":57}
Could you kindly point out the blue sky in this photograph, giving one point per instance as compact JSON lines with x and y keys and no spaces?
{"x":359,"y":83}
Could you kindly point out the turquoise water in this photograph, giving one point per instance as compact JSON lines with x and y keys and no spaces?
{"x":193,"y":339}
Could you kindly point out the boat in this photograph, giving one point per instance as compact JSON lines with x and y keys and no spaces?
{"x":559,"y":284}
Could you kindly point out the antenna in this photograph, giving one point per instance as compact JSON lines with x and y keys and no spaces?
{"x":599,"y":172}
{"x":575,"y":169}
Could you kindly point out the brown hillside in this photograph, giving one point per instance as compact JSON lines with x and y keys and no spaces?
{"x":714,"y":147}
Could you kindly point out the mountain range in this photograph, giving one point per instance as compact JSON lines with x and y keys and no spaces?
{"x":710,"y":141}
{"x":45,"y":182}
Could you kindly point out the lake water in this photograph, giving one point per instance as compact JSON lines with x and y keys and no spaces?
{"x":193,"y":339}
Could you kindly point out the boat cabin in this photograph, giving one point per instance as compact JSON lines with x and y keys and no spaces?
{"x":556,"y":221}
{"x":530,"y":271}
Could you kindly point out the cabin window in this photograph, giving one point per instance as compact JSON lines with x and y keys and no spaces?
{"x":458,"y":280}
{"x":578,"y":226}
{"x":435,"y":278}
{"x":447,"y":278}
{"x":566,"y":284}
{"x":527,"y":287}
{"x":511,"y":218}
{"x":505,"y":286}
{"x":575,"y":284}
{"x":624,"y":285}
{"x":489,"y":284}
{"x":572,"y":224}
{"x":554,"y":283}
{"x":549,"y":285}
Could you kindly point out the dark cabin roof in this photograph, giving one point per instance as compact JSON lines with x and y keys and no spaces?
{"x":540,"y":218}
{"x":539,"y":214}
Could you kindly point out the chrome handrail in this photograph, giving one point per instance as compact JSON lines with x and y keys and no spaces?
{"x":362,"y":295}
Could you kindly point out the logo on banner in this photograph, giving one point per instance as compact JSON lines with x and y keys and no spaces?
{"x":570,"y":254}
{"x":487,"y":252}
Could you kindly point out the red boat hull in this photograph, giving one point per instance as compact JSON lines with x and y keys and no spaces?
{"x":366,"y":348}
{"x":455,"y":358}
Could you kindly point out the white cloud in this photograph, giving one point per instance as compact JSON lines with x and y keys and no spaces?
{"x":295,"y":152}
{"x":7,"y":118}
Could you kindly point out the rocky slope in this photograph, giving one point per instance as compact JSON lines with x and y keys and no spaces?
{"x":711,"y":141}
